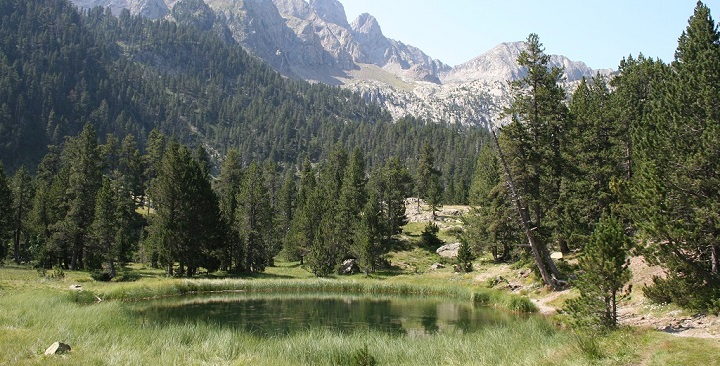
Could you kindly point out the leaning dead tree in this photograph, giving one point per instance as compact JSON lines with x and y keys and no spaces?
{"x":545,"y":264}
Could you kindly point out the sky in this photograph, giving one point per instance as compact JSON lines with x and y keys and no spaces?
{"x":599,"y":33}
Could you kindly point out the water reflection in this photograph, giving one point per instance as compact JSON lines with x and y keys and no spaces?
{"x":276,"y":315}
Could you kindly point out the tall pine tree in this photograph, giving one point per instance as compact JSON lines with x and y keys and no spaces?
{"x":678,"y":193}
{"x":532,"y":144}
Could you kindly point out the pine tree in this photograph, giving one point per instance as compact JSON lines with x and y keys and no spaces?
{"x":532,"y":144}
{"x":287,"y":203}
{"x":104,"y":227}
{"x":491,"y":224}
{"x":23,"y":192}
{"x":594,"y":163}
{"x":82,"y":157}
{"x":6,"y":213}
{"x":428,"y":184}
{"x":228,"y":185}
{"x":47,"y":208}
{"x":368,"y":243}
{"x":465,"y":256}
{"x":678,"y":190}
{"x":351,"y":202}
{"x":185,"y":227}
{"x":604,"y":274}
{"x":305,"y":218}
{"x":253,"y":217}
{"x":393,"y":184}
{"x":132,"y":170}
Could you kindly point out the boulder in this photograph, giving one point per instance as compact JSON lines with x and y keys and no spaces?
{"x":448,"y":250}
{"x":348,"y":267}
{"x":76,"y":287}
{"x":436,"y":266}
{"x":57,"y":348}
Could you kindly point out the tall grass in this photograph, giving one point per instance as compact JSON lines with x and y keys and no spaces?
{"x":108,"y":333}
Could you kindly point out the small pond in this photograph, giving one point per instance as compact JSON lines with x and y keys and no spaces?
{"x":278,"y":315}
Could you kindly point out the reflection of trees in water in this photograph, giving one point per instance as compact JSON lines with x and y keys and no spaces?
{"x":282,"y":316}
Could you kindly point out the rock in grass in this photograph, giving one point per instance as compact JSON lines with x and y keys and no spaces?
{"x":57,"y":348}
{"x":448,"y":250}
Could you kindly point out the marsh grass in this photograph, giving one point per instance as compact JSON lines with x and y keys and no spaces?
{"x":36,"y":312}
{"x":109,"y":333}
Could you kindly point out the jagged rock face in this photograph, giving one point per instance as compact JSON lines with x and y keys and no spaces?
{"x":331,"y":11}
{"x":324,"y":23}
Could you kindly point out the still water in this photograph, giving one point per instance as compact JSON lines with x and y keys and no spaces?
{"x":278,"y":315}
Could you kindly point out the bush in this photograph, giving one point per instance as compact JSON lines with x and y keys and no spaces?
{"x":429,"y":236}
{"x":100,"y":276}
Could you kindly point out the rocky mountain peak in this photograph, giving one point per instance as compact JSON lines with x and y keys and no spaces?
{"x":368,"y":25}
{"x":331,"y":11}
{"x":500,"y":64}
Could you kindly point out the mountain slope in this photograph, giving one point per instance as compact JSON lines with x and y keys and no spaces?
{"x":313,"y":40}
{"x":60,"y":69}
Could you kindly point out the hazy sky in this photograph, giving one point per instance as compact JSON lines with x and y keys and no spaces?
{"x":600,"y":33}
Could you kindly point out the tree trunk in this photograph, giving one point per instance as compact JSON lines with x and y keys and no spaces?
{"x":548,"y":271}
{"x":112,"y":269}
{"x":18,"y":232}
{"x":715,"y":259}
{"x":564,"y":248}
{"x":74,"y":260}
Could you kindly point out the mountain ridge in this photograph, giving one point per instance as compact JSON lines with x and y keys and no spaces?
{"x":313,"y":41}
